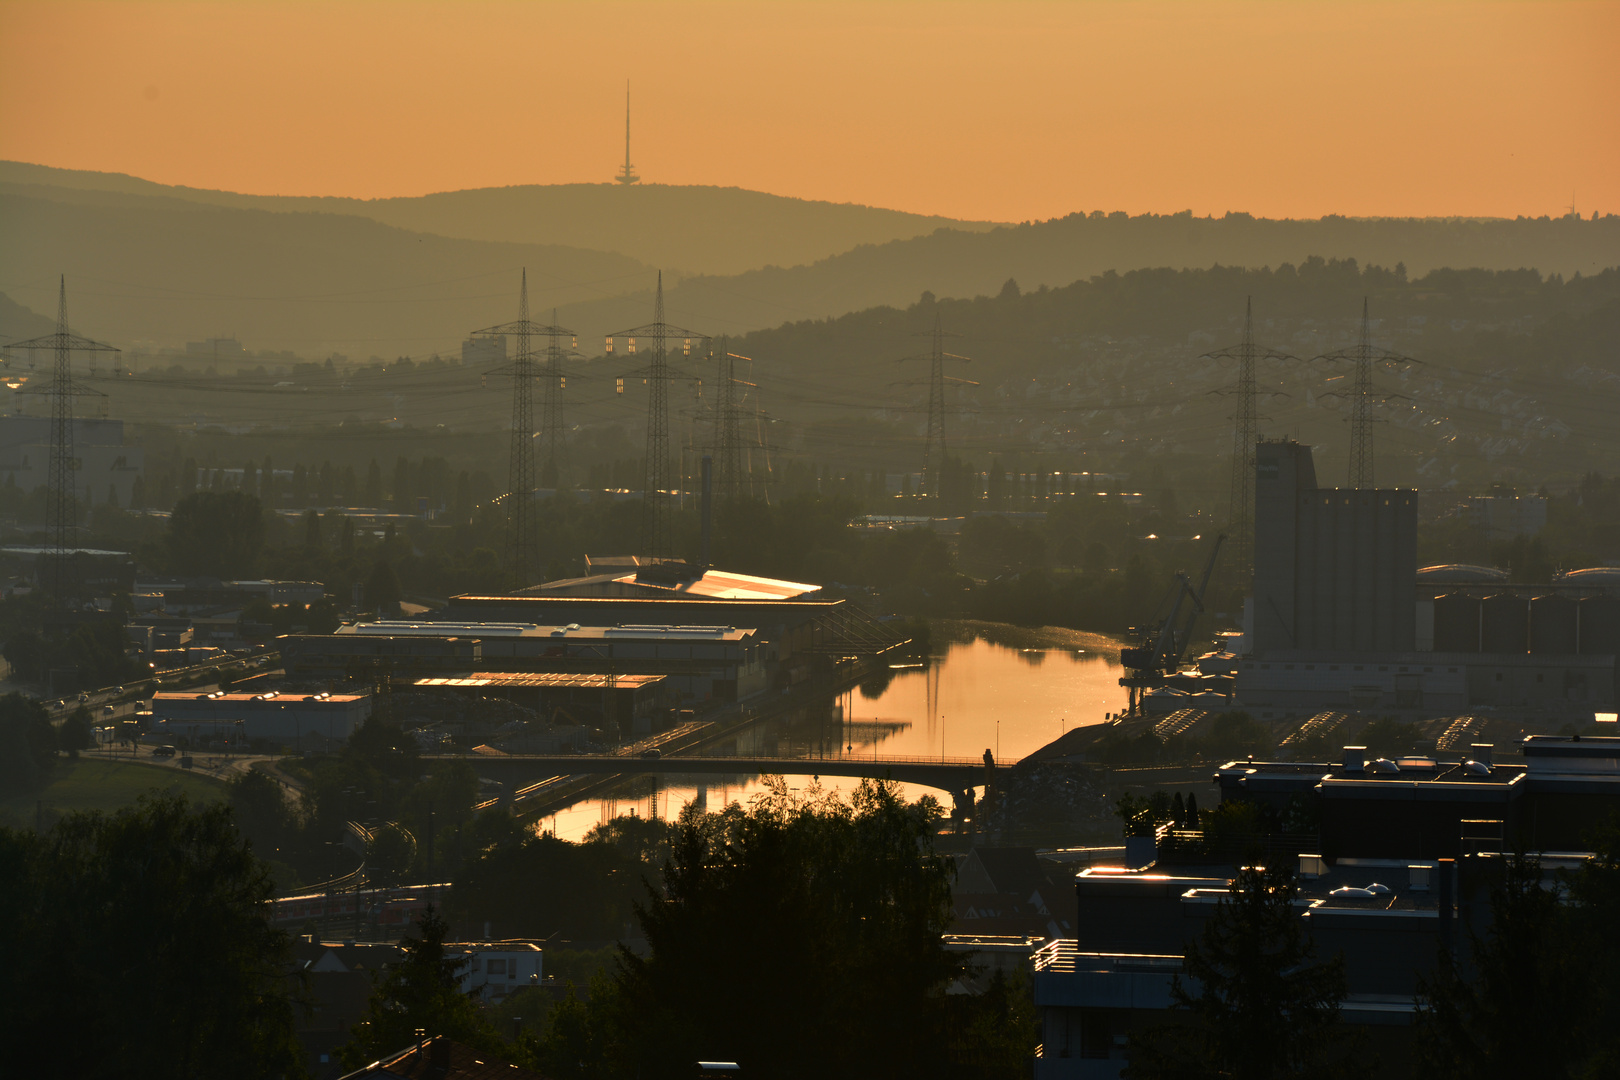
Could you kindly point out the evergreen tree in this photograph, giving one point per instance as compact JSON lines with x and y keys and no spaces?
{"x":1263,"y":1009}
{"x":1545,"y":983}
{"x":422,"y":991}
{"x":312,"y":531}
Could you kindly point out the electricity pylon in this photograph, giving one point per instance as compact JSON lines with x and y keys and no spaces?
{"x":1363,"y":398}
{"x":1245,"y":431}
{"x":732,"y":478}
{"x":658,"y":477}
{"x":934,"y":441}
{"x":62,"y":503}
{"x":522,"y":519}
{"x":552,"y":428}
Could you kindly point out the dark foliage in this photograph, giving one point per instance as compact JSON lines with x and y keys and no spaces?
{"x":421,"y":992}
{"x":138,"y":945}
{"x":1542,"y":990}
{"x":1258,"y":1005}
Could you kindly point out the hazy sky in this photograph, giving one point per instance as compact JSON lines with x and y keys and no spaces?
{"x":994,"y":110}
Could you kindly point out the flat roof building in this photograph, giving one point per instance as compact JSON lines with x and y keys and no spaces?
{"x":293,"y":719}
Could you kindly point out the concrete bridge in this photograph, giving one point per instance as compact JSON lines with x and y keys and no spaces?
{"x":958,"y":776}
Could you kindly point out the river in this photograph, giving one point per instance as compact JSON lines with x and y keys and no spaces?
{"x":987,"y":686}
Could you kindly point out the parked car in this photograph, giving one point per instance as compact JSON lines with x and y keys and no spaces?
{"x":163,"y":751}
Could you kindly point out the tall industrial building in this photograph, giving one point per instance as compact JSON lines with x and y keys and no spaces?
{"x":1333,"y":568}
{"x":1339,"y":618}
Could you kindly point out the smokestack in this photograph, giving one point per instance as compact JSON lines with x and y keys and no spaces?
{"x":708,"y":509}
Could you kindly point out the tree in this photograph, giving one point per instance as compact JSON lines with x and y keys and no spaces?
{"x":215,"y":534}
{"x":312,"y":532}
{"x":1259,"y":1007}
{"x":857,"y":901}
{"x":1543,"y":987}
{"x":153,"y":922}
{"x":382,"y":589}
{"x":75,"y":733}
{"x":27,"y":741}
{"x":422,"y":991}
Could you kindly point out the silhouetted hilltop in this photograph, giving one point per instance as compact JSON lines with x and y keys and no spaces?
{"x":1065,"y":250}
{"x":710,"y":230}
{"x":166,"y":270}
{"x":19,"y":323}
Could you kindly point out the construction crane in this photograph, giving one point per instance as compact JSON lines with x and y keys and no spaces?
{"x":1159,"y":649}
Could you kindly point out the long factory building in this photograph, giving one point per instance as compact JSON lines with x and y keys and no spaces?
{"x":712,"y":637}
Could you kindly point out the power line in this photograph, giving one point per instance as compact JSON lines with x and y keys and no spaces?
{"x":62,"y":508}
{"x":522,"y":524}
{"x":1245,"y":431}
{"x":658,"y":476}
{"x":1364,"y":356}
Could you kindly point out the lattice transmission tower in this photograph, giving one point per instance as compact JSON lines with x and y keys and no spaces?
{"x":733,"y":412}
{"x":522,"y":518}
{"x":62,"y":502}
{"x":1245,"y":431}
{"x":1364,"y":397}
{"x":659,"y":475}
{"x":934,"y":441}
{"x":552,"y":427}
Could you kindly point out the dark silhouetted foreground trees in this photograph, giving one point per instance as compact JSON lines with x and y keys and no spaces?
{"x":1541,"y":990}
{"x":138,"y":944}
{"x":800,"y":938}
{"x":1260,"y":1006}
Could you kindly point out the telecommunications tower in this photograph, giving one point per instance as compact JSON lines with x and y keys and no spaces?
{"x":1244,"y":433}
{"x":62,"y":504}
{"x":659,"y":477}
{"x":522,"y":523}
{"x":627,"y":175}
{"x":1364,"y":398}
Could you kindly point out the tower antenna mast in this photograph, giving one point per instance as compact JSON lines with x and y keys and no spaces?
{"x":627,"y":175}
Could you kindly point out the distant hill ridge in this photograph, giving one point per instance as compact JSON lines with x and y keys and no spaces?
{"x":694,"y":229}
{"x":162,"y":264}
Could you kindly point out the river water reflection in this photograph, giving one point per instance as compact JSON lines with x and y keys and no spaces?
{"x":986,"y":686}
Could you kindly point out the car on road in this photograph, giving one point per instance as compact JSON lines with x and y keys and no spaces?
{"x":107,"y":710}
{"x":163,"y":751}
{"x":83,"y":698}
{"x":652,"y":755}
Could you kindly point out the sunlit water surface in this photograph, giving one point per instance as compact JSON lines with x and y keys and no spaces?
{"x":974,"y":696}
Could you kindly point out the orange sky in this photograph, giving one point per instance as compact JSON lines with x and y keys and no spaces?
{"x":982,"y":110}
